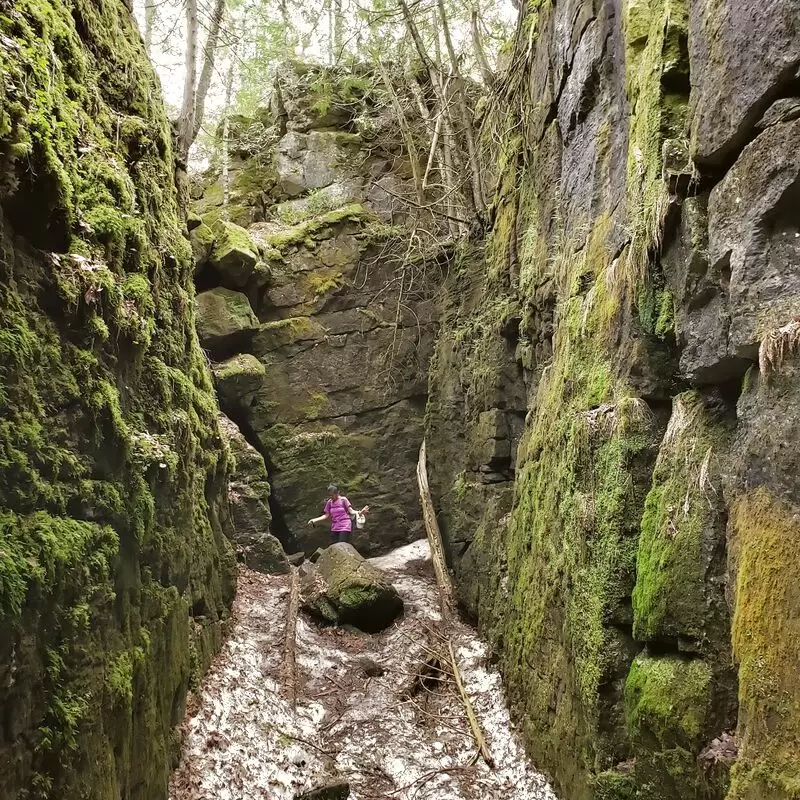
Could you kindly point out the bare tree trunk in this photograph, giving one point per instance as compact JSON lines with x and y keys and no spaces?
{"x":405,"y":132}
{"x":449,"y":188}
{"x":186,"y":118}
{"x":411,"y":25}
{"x":464,"y":114}
{"x":226,"y":187}
{"x":286,"y":22}
{"x":209,"y":55}
{"x":329,"y":11}
{"x":454,"y":170}
{"x":477,"y":44}
{"x":149,"y":24}
{"x":449,"y":141}
{"x":226,"y":125}
{"x":338,"y":29}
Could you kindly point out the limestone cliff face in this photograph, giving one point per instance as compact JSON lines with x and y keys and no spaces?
{"x":315,"y":305}
{"x":620,"y":359}
{"x":115,"y":573}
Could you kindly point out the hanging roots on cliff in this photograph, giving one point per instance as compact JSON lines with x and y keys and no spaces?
{"x":777,"y":346}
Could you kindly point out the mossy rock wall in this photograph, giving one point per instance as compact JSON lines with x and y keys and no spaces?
{"x":115,"y":571}
{"x":330,"y":385}
{"x":609,"y":411}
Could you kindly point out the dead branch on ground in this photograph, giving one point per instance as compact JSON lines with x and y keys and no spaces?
{"x":447,"y":598}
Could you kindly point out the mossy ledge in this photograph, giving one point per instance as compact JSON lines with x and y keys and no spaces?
{"x":115,"y":573}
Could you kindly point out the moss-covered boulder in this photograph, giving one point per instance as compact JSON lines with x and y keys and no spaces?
{"x":234,"y":254}
{"x":201,"y":237}
{"x":225,"y":320}
{"x":345,"y":588}
{"x":668,"y":711}
{"x":679,"y":593}
{"x":238,"y":379}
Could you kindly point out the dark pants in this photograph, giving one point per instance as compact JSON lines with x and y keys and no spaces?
{"x":341,"y":536}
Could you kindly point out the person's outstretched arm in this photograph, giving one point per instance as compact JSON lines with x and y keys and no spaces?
{"x":315,"y":520}
{"x":352,"y":512}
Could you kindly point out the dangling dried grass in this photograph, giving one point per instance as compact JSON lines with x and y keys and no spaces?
{"x":777,"y":346}
{"x":602,"y":420}
{"x":704,"y":481}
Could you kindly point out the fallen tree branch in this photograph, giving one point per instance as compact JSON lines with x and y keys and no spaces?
{"x":435,"y":540}
{"x":475,"y":726}
{"x":446,"y":598}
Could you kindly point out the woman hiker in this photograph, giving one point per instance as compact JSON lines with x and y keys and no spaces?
{"x":339,"y":511}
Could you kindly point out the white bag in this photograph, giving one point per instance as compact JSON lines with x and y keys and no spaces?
{"x":361,"y":520}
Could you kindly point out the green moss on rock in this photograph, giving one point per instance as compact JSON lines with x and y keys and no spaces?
{"x":668,"y":697}
{"x":112,"y":468}
{"x":234,"y":254}
{"x":667,"y":709}
{"x":304,"y":232}
{"x":765,"y":641}
{"x":238,"y":378}
{"x":225,"y":319}
{"x":201,"y":238}
{"x":656,"y":58}
{"x":683,"y":527}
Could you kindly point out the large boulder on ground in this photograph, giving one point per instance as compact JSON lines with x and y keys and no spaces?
{"x":234,"y":254}
{"x":225,"y":319}
{"x":248,"y":498}
{"x":345,"y":588}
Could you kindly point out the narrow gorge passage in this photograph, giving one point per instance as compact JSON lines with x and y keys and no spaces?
{"x":250,"y":250}
{"x":370,"y":709}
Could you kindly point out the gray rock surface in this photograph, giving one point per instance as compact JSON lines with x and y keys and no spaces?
{"x":248,"y":498}
{"x":734,"y":82}
{"x":753,"y":236}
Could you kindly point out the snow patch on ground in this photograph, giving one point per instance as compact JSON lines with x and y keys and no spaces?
{"x":363,"y":711}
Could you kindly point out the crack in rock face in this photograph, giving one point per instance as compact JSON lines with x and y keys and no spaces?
{"x":356,"y":723}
